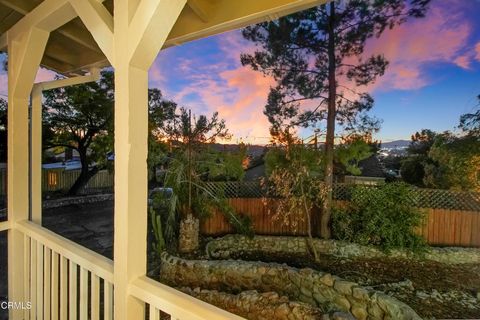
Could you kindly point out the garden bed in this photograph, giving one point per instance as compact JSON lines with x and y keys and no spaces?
{"x":433,"y":289}
{"x":316,"y":288}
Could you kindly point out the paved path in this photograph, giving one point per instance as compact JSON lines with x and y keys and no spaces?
{"x":90,"y":225}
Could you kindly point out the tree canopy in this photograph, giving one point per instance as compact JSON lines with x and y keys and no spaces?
{"x":470,"y":122}
{"x":317,"y":58}
{"x":80,"y":117}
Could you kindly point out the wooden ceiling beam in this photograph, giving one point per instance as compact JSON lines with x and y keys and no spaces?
{"x":21,"y":6}
{"x":204,"y":9}
{"x":229,"y":15}
{"x":68,"y":30}
{"x":55,"y":64}
{"x":98,"y":21}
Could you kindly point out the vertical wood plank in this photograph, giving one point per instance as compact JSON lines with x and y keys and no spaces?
{"x":445,"y":229}
{"x":26,"y":272}
{"x":456,"y":232}
{"x":476,"y":230}
{"x":63,"y":288}
{"x":72,"y":291}
{"x":108,"y":300}
{"x":83,"y":294}
{"x":154,"y":313}
{"x":47,"y":283}
{"x":33,"y":278}
{"x":55,"y":284}
{"x":466,"y":229}
{"x":450,"y":231}
{"x":39,"y":285}
{"x":95,"y":297}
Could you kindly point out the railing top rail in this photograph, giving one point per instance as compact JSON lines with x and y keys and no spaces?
{"x":176,"y":303}
{"x":4,"y":225}
{"x":92,"y":261}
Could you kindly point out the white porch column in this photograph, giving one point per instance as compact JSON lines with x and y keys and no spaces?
{"x":140,"y":29}
{"x":25,"y":52}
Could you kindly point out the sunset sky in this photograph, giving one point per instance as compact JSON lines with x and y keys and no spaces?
{"x":433,"y":77}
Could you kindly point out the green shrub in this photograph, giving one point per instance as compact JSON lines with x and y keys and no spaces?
{"x":383,"y":216}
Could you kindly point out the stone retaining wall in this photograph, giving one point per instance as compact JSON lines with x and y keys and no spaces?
{"x":253,"y":305}
{"x":61,"y":202}
{"x":225,"y":247}
{"x":305,"y":285}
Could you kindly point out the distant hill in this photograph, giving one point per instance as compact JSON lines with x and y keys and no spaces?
{"x":252,"y":150}
{"x":396,"y":143}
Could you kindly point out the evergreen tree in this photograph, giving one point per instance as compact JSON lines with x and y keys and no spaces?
{"x":318,"y":55}
{"x":470,"y":122}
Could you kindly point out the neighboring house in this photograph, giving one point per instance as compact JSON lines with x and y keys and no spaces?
{"x":255,"y":173}
{"x":73,"y":164}
{"x":372,"y":172}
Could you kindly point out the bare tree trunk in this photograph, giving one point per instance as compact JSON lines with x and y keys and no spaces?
{"x":309,"y":240}
{"x":330,"y":138}
{"x":85,"y":174}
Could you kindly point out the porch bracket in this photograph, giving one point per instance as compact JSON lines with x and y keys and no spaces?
{"x":99,"y":22}
{"x":140,"y":30}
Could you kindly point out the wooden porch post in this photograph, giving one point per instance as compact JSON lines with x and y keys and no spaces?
{"x":140,"y":29}
{"x":25,"y":52}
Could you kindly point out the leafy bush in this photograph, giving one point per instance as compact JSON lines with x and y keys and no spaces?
{"x":385,"y":216}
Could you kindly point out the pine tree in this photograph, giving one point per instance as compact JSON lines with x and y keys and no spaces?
{"x":318,"y":55}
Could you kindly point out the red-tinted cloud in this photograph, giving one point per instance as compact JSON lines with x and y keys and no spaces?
{"x":44,"y":75}
{"x":477,"y":51}
{"x":239,"y":94}
{"x":440,"y":37}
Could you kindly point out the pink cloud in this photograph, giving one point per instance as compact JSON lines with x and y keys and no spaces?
{"x":3,"y":84}
{"x":463,"y":61}
{"x":477,"y":50}
{"x":441,"y":36}
{"x":155,"y":73}
{"x":239,"y":94}
{"x":44,"y":75}
{"x":239,"y":97}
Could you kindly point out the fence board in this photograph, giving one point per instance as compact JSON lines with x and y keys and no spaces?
{"x":442,"y":226}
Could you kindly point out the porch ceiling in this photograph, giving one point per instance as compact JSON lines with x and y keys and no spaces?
{"x":71,"y":49}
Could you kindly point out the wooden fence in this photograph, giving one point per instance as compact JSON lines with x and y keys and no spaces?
{"x":62,"y":180}
{"x":442,"y":226}
{"x":55,"y":180}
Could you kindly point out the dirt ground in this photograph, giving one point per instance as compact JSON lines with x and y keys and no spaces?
{"x":434,"y":290}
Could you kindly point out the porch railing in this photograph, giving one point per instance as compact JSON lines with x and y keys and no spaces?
{"x":64,"y":280}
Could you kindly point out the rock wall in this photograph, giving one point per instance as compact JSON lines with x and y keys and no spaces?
{"x":253,"y":305}
{"x":188,"y":235}
{"x":55,"y":203}
{"x":223,"y":248}
{"x":305,"y":285}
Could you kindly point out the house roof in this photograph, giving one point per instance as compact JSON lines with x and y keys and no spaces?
{"x":71,"y":49}
{"x":371,"y":167}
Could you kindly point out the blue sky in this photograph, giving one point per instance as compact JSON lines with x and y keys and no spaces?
{"x":433,"y":77}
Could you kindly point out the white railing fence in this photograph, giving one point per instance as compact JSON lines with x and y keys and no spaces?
{"x":64,"y":280}
{"x":162,"y":299}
